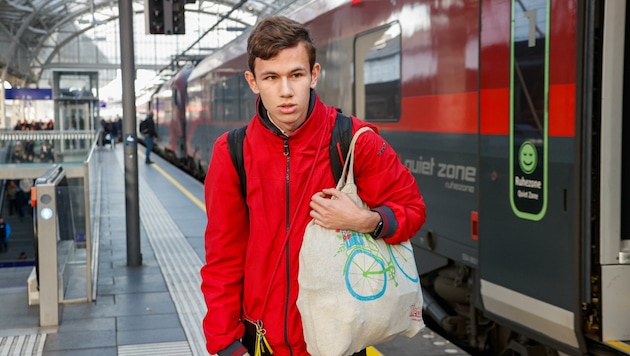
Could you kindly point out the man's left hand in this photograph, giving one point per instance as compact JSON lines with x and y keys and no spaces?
{"x":333,"y":209}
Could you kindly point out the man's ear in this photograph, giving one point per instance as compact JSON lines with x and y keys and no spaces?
{"x":315,"y":74}
{"x":251,"y":80}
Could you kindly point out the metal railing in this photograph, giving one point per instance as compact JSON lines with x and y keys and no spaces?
{"x":66,"y":233}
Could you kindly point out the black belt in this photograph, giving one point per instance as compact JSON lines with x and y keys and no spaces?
{"x":250,"y":328}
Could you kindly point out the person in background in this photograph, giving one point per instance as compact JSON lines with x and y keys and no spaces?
{"x":147,"y":128}
{"x":26,"y":184}
{"x":112,"y":131}
{"x":249,"y":279}
{"x":5,"y":232}
{"x":118,"y":128}
{"x":13,"y":198}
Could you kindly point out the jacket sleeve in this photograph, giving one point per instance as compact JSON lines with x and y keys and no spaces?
{"x":226,"y":238}
{"x":388,"y":187}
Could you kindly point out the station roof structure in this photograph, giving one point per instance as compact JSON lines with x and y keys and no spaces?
{"x":38,"y":36}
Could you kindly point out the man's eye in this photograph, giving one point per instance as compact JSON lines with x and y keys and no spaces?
{"x":270,"y":77}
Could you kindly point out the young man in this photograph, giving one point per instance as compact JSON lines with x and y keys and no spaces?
{"x":250,"y":277}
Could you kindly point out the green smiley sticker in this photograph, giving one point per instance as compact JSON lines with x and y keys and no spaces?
{"x":527,"y":157}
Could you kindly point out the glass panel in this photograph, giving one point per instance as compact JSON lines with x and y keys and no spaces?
{"x":232,"y":100}
{"x":378,"y":74}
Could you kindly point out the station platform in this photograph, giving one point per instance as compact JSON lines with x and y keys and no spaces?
{"x":154,"y":309}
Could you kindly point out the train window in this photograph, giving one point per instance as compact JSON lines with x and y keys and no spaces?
{"x":176,"y":100}
{"x":248,"y":99}
{"x":232,"y":100}
{"x":377,"y":74}
{"x":529,"y":101}
{"x":217,"y":102}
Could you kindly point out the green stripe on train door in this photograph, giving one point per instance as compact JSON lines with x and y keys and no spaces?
{"x":529,"y":107}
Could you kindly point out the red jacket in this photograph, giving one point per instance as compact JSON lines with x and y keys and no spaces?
{"x":252,"y":261}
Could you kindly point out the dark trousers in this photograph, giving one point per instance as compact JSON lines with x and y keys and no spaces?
{"x":249,"y":341}
{"x":148,"y":141}
{"x":14,"y":206}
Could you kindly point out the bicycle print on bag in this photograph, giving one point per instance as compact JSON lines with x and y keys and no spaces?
{"x":368,"y":268}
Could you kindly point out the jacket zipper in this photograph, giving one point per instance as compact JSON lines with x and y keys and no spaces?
{"x":287,"y":251}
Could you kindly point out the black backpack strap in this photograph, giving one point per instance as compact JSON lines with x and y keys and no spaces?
{"x":340,"y":143}
{"x":235,"y":140}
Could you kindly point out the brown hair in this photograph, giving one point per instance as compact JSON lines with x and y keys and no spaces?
{"x":274,"y":34}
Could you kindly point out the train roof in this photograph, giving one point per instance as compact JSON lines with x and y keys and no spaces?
{"x":302,"y":11}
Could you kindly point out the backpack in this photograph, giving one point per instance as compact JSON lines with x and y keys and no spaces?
{"x":339,"y":145}
{"x":144,"y":127}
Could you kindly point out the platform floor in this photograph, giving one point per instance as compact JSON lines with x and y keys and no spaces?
{"x":154,"y":309}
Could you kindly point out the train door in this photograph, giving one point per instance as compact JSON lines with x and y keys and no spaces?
{"x":608,"y":298}
{"x":529,"y":246}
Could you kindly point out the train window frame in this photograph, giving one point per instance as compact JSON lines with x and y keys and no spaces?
{"x":365,"y":44}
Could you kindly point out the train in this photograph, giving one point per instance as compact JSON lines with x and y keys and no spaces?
{"x":509,"y":114}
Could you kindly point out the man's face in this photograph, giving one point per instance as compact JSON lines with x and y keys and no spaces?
{"x":284,"y":84}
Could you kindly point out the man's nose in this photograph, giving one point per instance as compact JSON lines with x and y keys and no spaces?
{"x":285,"y":87}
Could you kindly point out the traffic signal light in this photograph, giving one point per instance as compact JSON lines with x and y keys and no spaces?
{"x":154,"y":16}
{"x":178,"y":24}
{"x":165,"y":16}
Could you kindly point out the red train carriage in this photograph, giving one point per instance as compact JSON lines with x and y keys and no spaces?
{"x":509,"y":113}
{"x":168,"y":105}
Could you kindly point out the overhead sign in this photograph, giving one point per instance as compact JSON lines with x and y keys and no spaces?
{"x":28,"y":94}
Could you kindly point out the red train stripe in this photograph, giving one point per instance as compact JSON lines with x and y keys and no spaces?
{"x":562,"y":110}
{"x":495,"y":109}
{"x":448,"y":113}
{"x":457,"y":113}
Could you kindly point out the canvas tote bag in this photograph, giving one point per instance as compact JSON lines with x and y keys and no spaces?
{"x":355,"y":291}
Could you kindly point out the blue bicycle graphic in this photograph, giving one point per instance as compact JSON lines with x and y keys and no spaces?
{"x":367,"y":269}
